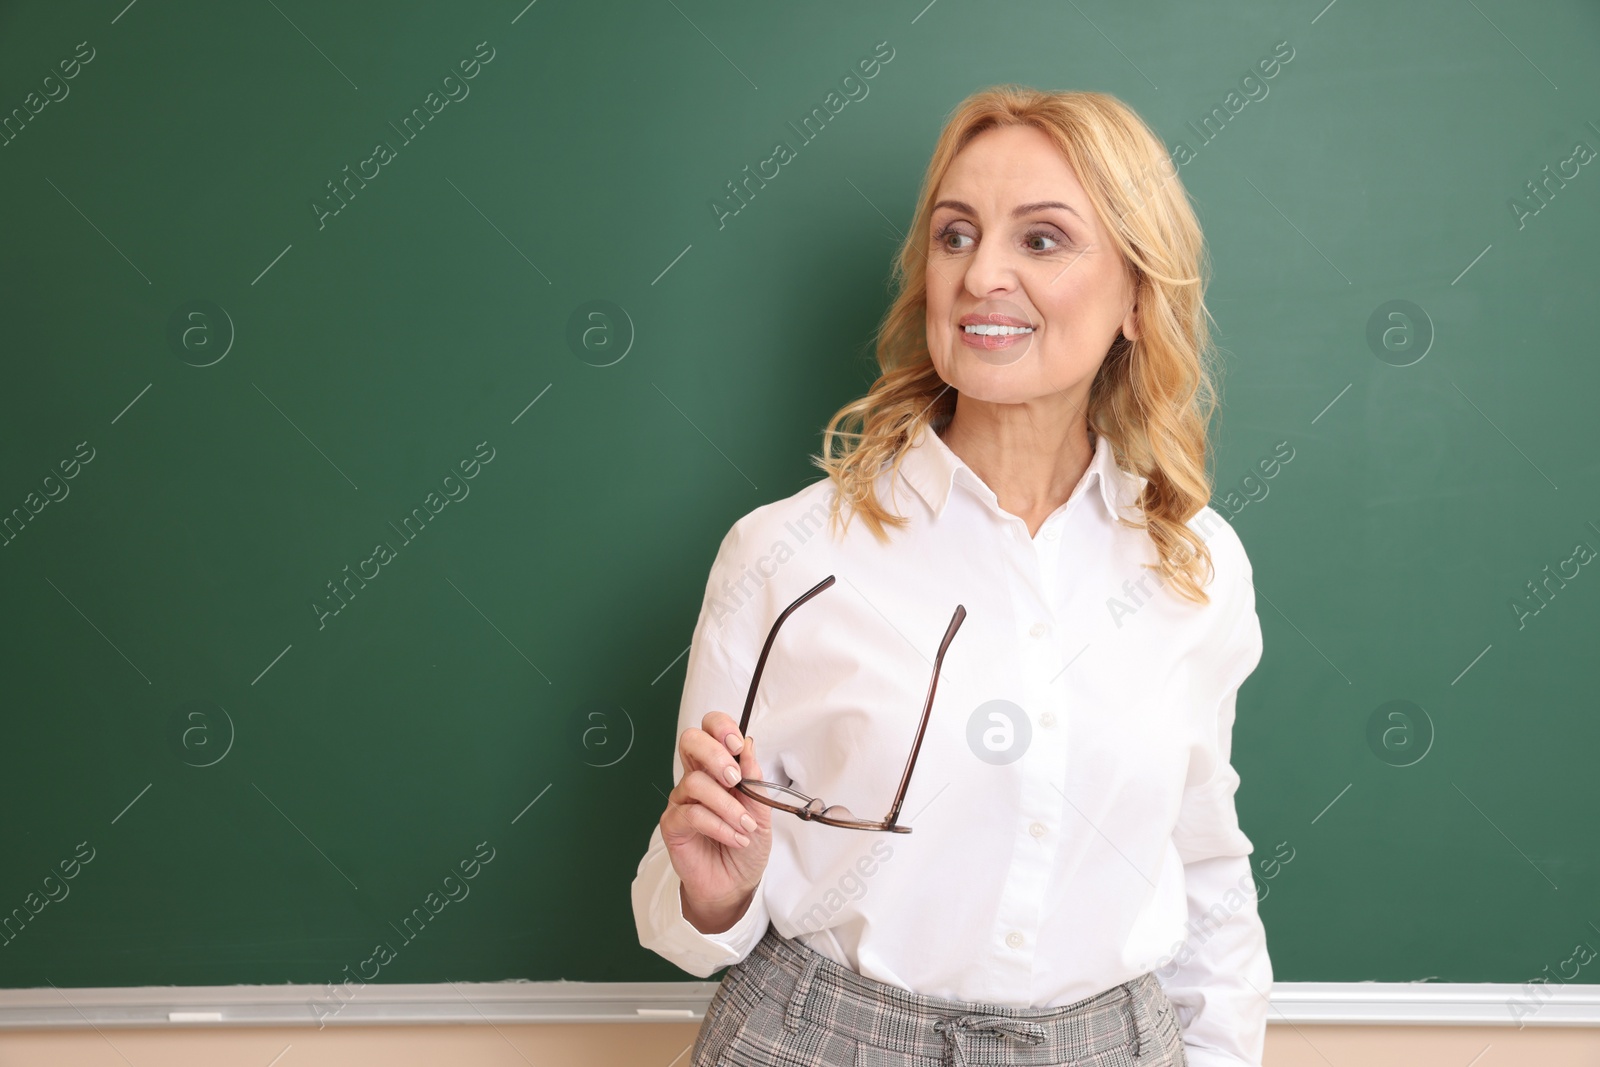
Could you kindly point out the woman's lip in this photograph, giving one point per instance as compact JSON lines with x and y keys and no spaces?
{"x":991,"y":342}
{"x":992,"y":319}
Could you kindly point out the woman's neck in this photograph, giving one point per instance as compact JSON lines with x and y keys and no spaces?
{"x":1032,"y":470}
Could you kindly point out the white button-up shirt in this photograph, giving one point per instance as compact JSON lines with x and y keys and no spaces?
{"x":1073,"y":800}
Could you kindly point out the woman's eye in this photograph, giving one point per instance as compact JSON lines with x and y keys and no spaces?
{"x":1042,"y":236}
{"x":1034,"y":240}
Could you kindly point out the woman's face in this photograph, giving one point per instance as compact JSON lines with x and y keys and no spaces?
{"x":1013,"y":240}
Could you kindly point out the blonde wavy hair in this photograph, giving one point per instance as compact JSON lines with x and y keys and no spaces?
{"x":1152,"y":398}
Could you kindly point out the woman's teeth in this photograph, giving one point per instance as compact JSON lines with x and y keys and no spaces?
{"x":997,"y":331}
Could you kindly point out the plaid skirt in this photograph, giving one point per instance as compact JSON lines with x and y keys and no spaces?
{"x":787,"y":1005}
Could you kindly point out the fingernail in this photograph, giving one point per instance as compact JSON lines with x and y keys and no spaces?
{"x":743,"y":840}
{"x":731,"y":774}
{"x":748,"y":823}
{"x":735,"y":743}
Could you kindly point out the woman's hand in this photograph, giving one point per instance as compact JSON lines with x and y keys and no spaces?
{"x":717,"y":838}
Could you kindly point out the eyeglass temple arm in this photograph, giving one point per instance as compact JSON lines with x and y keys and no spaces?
{"x":761,"y":663}
{"x":911,"y":761}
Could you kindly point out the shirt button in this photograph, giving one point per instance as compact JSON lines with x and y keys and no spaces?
{"x":1051,"y":534}
{"x":1037,"y":829}
{"x":1014,"y":939}
{"x":1038,"y":629}
{"x":1047,"y":719}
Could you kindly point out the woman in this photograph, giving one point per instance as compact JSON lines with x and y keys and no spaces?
{"x":1077,"y":888}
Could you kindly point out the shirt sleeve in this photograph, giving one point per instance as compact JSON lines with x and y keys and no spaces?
{"x":711,"y":683}
{"x":1221,"y":980}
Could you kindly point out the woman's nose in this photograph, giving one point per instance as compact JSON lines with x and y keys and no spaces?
{"x":989,"y":271}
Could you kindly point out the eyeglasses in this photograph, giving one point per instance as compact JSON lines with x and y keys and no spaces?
{"x":810,"y":808}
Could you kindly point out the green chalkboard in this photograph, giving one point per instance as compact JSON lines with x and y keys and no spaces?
{"x":379,"y":381}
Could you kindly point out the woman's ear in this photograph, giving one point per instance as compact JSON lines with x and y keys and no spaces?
{"x":1130,"y":322}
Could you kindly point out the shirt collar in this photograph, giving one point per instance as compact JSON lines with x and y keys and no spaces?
{"x":932,"y":469}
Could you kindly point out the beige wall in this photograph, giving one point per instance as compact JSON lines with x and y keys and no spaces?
{"x":667,"y":1045}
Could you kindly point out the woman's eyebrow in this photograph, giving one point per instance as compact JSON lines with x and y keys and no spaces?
{"x":1016,"y":213}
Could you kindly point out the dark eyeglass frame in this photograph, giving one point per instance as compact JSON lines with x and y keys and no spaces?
{"x":810,"y":808}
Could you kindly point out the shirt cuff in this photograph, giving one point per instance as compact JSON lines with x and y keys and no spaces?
{"x":669,"y":934}
{"x":739,"y":938}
